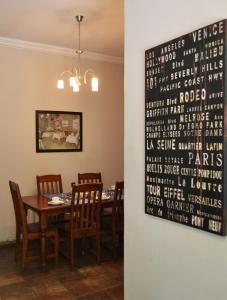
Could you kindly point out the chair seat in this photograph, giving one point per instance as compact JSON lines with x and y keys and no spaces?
{"x":64,"y":229}
{"x":34,"y":231}
{"x":33,"y":227}
{"x":107,"y":212}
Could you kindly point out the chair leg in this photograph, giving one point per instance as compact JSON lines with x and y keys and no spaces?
{"x":83,"y":245}
{"x":17,"y":247}
{"x":121,"y":239}
{"x":72,"y":253}
{"x":56,"y":245}
{"x":24,"y":252}
{"x":98,"y":248}
{"x":114,"y":244}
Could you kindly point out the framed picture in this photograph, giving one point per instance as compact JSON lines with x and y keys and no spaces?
{"x":185,"y":129}
{"x":58,"y":131}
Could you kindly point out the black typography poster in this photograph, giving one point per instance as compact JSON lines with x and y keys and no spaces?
{"x":185,"y":129}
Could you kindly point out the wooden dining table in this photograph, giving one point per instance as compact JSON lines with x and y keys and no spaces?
{"x":39,"y":204}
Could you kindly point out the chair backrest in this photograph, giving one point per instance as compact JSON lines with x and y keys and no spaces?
{"x":86,"y":207}
{"x":118,"y":206}
{"x":89,"y":178}
{"x":49,"y":184}
{"x":19,"y":210}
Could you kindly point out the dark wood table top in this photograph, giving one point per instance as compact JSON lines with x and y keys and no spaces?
{"x":40,"y":203}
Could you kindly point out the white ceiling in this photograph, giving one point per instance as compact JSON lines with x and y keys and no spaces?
{"x":53,"y":22}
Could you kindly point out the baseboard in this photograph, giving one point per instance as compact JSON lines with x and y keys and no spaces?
{"x":7,"y":243}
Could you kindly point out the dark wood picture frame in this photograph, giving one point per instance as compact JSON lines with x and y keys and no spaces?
{"x":58,"y":131}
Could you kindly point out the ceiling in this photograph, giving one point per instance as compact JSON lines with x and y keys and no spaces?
{"x":53,"y":22}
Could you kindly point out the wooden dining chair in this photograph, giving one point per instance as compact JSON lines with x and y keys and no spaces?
{"x":49,"y":184}
{"x":84,"y":219}
{"x":27,"y":232}
{"x":89,"y":178}
{"x":118,"y":215}
{"x":114,"y":226}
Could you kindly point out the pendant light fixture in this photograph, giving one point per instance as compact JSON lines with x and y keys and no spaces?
{"x":75,"y":75}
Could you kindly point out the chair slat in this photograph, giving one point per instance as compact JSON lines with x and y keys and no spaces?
{"x":49,"y":184}
{"x":84,"y":178}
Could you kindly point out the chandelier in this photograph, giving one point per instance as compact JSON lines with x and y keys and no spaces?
{"x":75,"y":75}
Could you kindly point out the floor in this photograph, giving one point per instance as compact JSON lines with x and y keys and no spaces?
{"x":87,"y":281}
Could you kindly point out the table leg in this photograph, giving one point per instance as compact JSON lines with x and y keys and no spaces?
{"x":43,"y":227}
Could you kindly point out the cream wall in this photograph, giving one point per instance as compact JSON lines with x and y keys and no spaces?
{"x":163,"y":260}
{"x":28,"y":83}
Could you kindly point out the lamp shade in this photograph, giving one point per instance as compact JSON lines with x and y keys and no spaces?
{"x":72,"y":81}
{"x":94,"y":84}
{"x":76,"y":87}
{"x":60,"y":84}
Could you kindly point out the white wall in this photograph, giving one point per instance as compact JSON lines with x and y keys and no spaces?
{"x":163,"y":260}
{"x":28,"y":83}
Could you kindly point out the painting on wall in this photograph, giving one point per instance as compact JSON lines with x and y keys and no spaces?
{"x":185,"y":129}
{"x":58,"y":131}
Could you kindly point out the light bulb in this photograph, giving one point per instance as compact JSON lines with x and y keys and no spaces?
{"x":60,"y":84}
{"x":76,"y":87}
{"x":72,"y":81}
{"x":94,"y":84}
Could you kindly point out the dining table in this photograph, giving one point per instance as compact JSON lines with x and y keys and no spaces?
{"x":40,"y":205}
